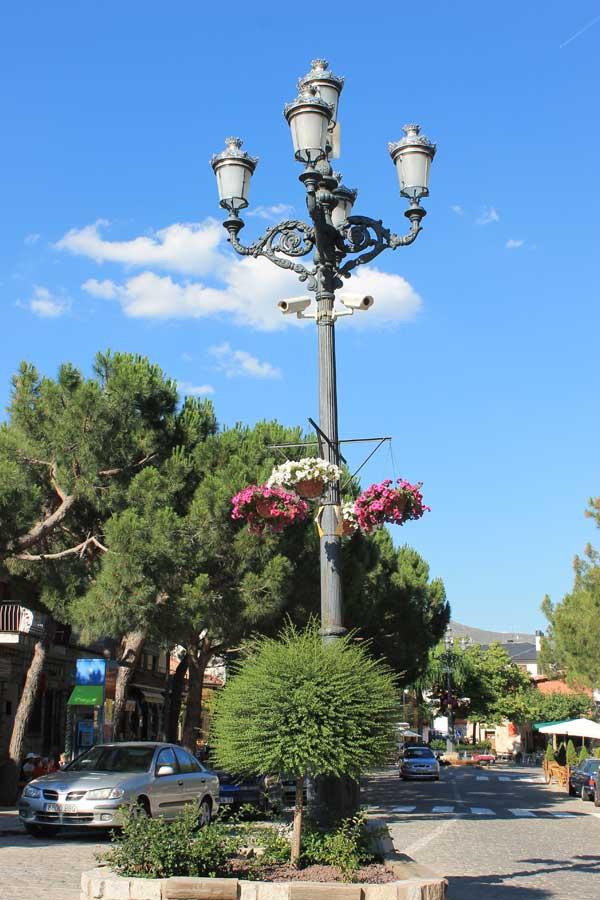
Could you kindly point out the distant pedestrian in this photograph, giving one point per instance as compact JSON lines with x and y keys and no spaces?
{"x":41,"y":767}
{"x":62,"y":760}
{"x":28,"y":767}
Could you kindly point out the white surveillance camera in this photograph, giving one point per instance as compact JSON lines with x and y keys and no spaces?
{"x":294,"y":305}
{"x":355,"y":301}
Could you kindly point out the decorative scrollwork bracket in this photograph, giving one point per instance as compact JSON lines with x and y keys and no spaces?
{"x":292,"y":238}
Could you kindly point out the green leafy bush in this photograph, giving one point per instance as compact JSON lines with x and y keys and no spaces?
{"x":300,"y":706}
{"x":437,"y":744}
{"x":572,"y":756}
{"x":583,"y":754}
{"x":155,"y":848}
{"x":348,"y":846}
{"x":549,"y":755}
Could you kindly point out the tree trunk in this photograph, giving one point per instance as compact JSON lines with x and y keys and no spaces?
{"x":10,"y":772}
{"x":198,"y":655}
{"x":177,"y":685}
{"x":130,"y":651}
{"x":474,"y":732}
{"x":297,"y":831}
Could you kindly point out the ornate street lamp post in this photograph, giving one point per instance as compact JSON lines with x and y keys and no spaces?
{"x":339,"y":241}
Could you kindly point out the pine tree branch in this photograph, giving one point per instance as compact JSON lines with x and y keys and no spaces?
{"x":80,"y":550}
{"x":110,"y":472}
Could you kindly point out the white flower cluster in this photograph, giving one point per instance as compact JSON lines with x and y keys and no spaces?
{"x":349,"y":513}
{"x":290,"y":473}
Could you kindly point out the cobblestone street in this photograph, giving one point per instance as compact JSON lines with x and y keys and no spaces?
{"x":497,"y":834}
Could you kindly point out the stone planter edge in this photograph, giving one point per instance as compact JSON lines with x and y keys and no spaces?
{"x":102,"y":884}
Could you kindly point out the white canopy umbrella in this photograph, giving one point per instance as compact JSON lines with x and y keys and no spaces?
{"x":583,"y":728}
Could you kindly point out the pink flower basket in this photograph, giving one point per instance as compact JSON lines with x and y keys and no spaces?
{"x":383,"y":504}
{"x":268,"y":509}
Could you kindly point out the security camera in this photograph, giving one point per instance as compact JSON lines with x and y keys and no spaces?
{"x":355,"y":301}
{"x":294,"y":305}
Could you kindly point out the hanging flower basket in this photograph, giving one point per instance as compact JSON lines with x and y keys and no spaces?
{"x":349,"y":520}
{"x":383,"y":503}
{"x":308,"y":477}
{"x":265,"y":508}
{"x":310,"y":488}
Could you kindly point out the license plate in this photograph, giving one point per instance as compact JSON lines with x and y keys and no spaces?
{"x":225,"y":799}
{"x":61,"y":808}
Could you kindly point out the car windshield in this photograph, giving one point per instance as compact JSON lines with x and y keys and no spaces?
{"x":592,"y":765}
{"x":419,"y":752}
{"x":114,"y":759}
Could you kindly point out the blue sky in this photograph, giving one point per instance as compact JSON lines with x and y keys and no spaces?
{"x":479,"y":355}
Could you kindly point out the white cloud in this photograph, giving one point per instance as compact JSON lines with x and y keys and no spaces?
{"x":192,"y":390}
{"x":245,"y":290}
{"x":45,"y":304}
{"x":239,"y":362}
{"x":188,"y":248}
{"x":457,"y":209}
{"x":32,"y":238}
{"x":187,"y":357}
{"x":271,"y":212}
{"x":513,"y":244}
{"x":105,"y":290}
{"x":488,"y":214}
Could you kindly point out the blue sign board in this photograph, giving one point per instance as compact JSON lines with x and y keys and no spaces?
{"x":90,"y":672}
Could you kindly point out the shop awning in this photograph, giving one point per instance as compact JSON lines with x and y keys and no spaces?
{"x":86,"y":695}
{"x":581,"y":727}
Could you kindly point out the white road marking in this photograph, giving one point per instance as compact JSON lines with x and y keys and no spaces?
{"x":522,"y":813}
{"x":504,"y":778}
{"x":482,"y":778}
{"x":443,"y":809}
{"x":482,"y":811}
{"x":563,"y":815}
{"x":403,"y":809}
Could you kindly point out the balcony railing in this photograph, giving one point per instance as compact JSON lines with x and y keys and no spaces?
{"x":16,"y":619}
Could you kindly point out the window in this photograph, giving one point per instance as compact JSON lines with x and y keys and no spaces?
{"x":418,"y":753}
{"x":114,"y":759}
{"x":166,"y":757}
{"x":186,"y":762}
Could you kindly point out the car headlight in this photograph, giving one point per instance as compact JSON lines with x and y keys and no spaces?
{"x":31,"y":791}
{"x":106,"y":794}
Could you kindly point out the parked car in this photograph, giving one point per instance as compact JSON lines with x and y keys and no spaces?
{"x":484,"y":758}
{"x":419,"y":762}
{"x":161,"y":778}
{"x":263,"y":792}
{"x":582,"y":779}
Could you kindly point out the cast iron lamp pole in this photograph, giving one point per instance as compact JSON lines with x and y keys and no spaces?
{"x":333,"y":235}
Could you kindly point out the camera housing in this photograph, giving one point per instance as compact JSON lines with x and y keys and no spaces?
{"x":356,"y":301}
{"x":293,"y":305}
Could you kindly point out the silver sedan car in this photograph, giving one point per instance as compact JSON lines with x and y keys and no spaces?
{"x":419,"y":762}
{"x":160,"y":778}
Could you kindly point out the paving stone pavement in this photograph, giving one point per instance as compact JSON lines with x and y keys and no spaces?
{"x":498,"y":835}
{"x":43,"y":868}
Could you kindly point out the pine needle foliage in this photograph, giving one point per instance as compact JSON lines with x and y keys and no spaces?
{"x":299,"y":706}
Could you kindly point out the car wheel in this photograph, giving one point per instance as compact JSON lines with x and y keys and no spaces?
{"x":585,"y":794}
{"x":142,"y":808}
{"x":572,"y":791}
{"x":41,"y":830}
{"x":204,"y":813}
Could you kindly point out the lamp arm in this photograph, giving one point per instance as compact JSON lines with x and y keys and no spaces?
{"x":292,"y":238}
{"x":370,"y":237}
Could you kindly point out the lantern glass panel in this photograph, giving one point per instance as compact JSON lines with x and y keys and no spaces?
{"x":341,"y":212}
{"x":413,"y":172}
{"x":309,"y":134}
